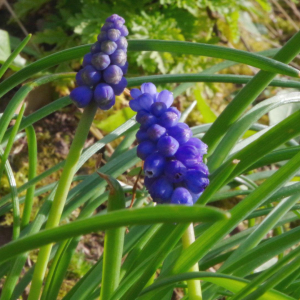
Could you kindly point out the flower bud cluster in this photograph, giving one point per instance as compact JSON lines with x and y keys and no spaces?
{"x":101,"y":77}
{"x":173,"y":158}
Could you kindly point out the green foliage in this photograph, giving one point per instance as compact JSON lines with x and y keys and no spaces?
{"x":256,"y":177}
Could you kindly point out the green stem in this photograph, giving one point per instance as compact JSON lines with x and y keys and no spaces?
{"x":32,"y":153}
{"x":194,"y":286}
{"x":113,"y":242}
{"x":11,"y":58}
{"x":61,"y":195}
{"x":11,"y":140}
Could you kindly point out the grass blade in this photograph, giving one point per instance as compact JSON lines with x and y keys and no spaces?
{"x":15,"y":53}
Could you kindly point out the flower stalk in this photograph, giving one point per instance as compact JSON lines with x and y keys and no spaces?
{"x":61,"y":195}
{"x":194,"y":286}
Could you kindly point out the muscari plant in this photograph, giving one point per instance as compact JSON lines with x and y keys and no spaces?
{"x":160,"y":250}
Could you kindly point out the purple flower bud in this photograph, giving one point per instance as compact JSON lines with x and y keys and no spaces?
{"x":195,"y":196}
{"x":100,"y":61}
{"x":114,"y":18}
{"x":154,"y":165}
{"x":141,"y":135}
{"x":202,"y":147}
{"x":175,"y":171}
{"x":107,"y":25}
{"x":102,"y":36}
{"x":158,"y":108}
{"x":144,"y":149}
{"x":118,"y":24}
{"x":169,"y":118}
{"x":118,"y":58}
{"x":156,"y":131}
{"x":161,"y":190}
{"x":149,"y":88}
{"x":167,"y":146}
{"x":88,"y":76}
{"x":196,"y":181}
{"x":141,"y":113}
{"x":82,"y":96}
{"x":112,"y":74}
{"x":108,"y":104}
{"x":147,"y":120}
{"x":113,"y":34}
{"x":124,"y":68}
{"x":124,"y":30}
{"x":202,"y":167}
{"x":119,"y":87}
{"x":146,"y":101}
{"x":96,"y":48}
{"x":166,"y":97}
{"x":134,"y":93}
{"x":181,"y":196}
{"x":87,"y":59}
{"x":122,"y":43}
{"x":181,"y":132}
{"x":135,"y":105}
{"x":104,"y":94}
{"x":108,"y":47}
{"x":148,"y":182}
{"x":188,"y":155}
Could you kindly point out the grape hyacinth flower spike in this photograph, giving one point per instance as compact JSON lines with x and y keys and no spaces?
{"x":104,"y":67}
{"x":173,"y":158}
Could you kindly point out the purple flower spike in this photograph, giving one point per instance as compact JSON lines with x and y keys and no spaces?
{"x":198,"y":144}
{"x":82,"y":96}
{"x":114,"y":18}
{"x":104,"y":66}
{"x":108,"y":47}
{"x":188,"y":155}
{"x":124,"y":30}
{"x":108,"y":104}
{"x":107,"y":25}
{"x":102,"y":36}
{"x":148,"y":182}
{"x":169,"y":118}
{"x":161,"y":190}
{"x":146,"y":120}
{"x":155,"y":131}
{"x":196,"y":181}
{"x":113,"y":34}
{"x":158,"y":108}
{"x":100,"y":61}
{"x":96,"y":48}
{"x":154,"y":165}
{"x":173,"y":167}
{"x":166,"y":97}
{"x":104,"y":94}
{"x":167,"y":146}
{"x":181,"y":196}
{"x":112,"y":74}
{"x":144,"y":149}
{"x":175,"y":171}
{"x":181,"y":132}
{"x":119,"y":58}
{"x":141,"y":136}
{"x":122,"y":43}
{"x":149,"y":88}
{"x":146,"y":101}
{"x":87,"y":59}
{"x":88,"y":76}
{"x":134,"y":93}
{"x":124,"y":68}
{"x":119,"y":87}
